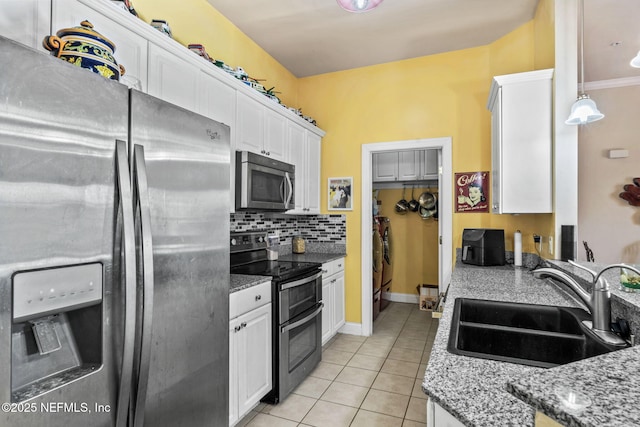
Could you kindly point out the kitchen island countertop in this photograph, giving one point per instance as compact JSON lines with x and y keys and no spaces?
{"x":481,"y":392}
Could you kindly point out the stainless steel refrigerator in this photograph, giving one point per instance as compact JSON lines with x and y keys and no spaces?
{"x":114,"y":257}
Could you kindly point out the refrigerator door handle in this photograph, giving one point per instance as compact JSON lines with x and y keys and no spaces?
{"x":145,"y":289}
{"x":128,"y":255}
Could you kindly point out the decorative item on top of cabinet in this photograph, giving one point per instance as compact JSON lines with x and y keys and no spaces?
{"x":84,"y":47}
{"x":123,"y":29}
{"x":333,"y":315}
{"x":521,"y":142}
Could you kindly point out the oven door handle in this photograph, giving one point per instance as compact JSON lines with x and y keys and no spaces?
{"x":290,"y":285}
{"x":303,"y":321}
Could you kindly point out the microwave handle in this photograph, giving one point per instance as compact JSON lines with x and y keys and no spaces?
{"x":288,"y":199}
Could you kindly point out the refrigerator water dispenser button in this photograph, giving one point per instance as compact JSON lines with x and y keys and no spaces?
{"x":46,"y":335}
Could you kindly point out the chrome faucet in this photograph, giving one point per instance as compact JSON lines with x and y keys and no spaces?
{"x":599,"y":302}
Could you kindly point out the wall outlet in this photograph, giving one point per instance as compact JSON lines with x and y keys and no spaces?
{"x":551,"y":245}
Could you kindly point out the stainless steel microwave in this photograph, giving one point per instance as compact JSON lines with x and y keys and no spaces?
{"x":263,"y":183}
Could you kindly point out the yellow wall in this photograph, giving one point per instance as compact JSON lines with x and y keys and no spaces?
{"x":415,"y":242}
{"x":427,"y":97}
{"x":196,"y":21}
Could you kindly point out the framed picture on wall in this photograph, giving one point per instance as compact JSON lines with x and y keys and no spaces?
{"x":472,"y":192}
{"x":339,"y":193}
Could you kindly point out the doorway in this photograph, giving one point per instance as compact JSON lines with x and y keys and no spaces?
{"x":445,"y":219}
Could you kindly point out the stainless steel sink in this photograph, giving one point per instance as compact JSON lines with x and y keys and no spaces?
{"x":528,"y":334}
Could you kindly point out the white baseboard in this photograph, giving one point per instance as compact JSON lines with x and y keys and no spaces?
{"x":351,"y":328}
{"x":396,"y":297}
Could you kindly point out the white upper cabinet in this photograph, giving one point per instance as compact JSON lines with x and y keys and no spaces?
{"x":429,"y":167}
{"x":117,"y":25}
{"x":172,"y":78}
{"x":406,"y":165}
{"x":312,"y":175}
{"x":385,"y":166}
{"x":297,"y":149}
{"x":260,"y":129}
{"x":162,"y":67}
{"x":521,"y":138}
{"x":216,"y":99}
{"x":304,"y":149}
{"x":26,"y":21}
{"x":275,"y":135}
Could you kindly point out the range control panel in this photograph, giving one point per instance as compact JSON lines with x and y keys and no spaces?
{"x":246,"y":241}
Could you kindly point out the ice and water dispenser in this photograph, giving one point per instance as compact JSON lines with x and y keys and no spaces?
{"x":56,"y":333}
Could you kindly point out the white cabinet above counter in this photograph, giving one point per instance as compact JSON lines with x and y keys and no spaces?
{"x":166,"y":69}
{"x":405,"y":165}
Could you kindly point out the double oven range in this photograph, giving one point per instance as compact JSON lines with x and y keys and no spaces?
{"x":296,"y":295}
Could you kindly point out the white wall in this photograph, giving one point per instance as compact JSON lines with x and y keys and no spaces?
{"x":609,"y":224}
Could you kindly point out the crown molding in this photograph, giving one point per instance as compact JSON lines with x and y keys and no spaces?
{"x":607,"y":84}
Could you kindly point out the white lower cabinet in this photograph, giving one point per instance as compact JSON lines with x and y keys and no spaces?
{"x":250,"y":374}
{"x":333,"y":317}
{"x":438,"y":417}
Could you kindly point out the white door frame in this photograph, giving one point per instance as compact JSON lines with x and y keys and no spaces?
{"x":445,"y":216}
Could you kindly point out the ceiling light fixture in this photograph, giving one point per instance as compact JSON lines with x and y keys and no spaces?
{"x":358,"y":6}
{"x":635,"y":62}
{"x":584,"y":110}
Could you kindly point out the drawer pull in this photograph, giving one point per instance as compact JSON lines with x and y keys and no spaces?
{"x":258,"y":297}
{"x":325,"y":271}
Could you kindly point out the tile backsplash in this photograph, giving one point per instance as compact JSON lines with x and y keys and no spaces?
{"x":314,"y":228}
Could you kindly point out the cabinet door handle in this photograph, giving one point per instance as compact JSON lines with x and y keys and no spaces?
{"x":334,"y":280}
{"x":243,"y":324}
{"x":237,"y":328}
{"x":268,"y":153}
{"x":258,"y":297}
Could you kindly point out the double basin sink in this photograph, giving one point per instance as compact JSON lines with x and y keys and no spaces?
{"x":527,"y":334}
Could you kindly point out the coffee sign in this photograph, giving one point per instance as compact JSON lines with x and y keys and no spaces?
{"x":472,"y":192}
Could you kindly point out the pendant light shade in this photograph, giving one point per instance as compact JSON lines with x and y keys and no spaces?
{"x":584,"y":110}
{"x":635,"y":62}
{"x":358,"y":6}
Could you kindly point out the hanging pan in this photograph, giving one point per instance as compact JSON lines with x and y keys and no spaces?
{"x":413,"y":204}
{"x":402,"y":205}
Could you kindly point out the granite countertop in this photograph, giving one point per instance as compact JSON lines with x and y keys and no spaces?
{"x":479,"y":392}
{"x":244,"y":281}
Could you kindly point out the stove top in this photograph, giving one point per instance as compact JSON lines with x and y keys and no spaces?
{"x":279,"y":270}
{"x":249,"y":256}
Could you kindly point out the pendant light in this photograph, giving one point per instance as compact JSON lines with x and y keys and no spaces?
{"x":358,"y":6}
{"x":584,"y":110}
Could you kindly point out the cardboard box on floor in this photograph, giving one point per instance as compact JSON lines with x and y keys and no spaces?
{"x":428,"y":296}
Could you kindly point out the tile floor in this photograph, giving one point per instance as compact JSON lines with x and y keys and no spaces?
{"x":364,"y":382}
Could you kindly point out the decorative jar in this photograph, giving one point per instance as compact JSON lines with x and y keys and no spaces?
{"x":84,"y":47}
